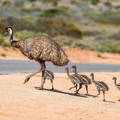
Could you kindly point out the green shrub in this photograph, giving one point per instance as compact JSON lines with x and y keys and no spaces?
{"x":31,"y":0}
{"x":2,"y":26}
{"x":55,"y":11}
{"x":107,"y":17}
{"x":54,"y":27}
{"x":95,"y":2}
{"x":2,"y":41}
{"x":19,"y":23}
{"x":2,"y":54}
{"x":24,"y":34}
{"x":6,"y":3}
{"x":31,"y":10}
{"x":110,"y":46}
{"x":100,"y":56}
{"x":50,"y":1}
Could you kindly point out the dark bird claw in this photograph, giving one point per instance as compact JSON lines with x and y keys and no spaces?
{"x":38,"y":88}
{"x":26,"y":80}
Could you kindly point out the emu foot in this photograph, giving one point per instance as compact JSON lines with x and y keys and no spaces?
{"x":95,"y":96}
{"x":76,"y":92}
{"x":26,"y":80}
{"x":52,"y":89}
{"x":104,"y":100}
{"x":39,"y":88}
{"x":69,"y":88}
{"x":87,"y":94}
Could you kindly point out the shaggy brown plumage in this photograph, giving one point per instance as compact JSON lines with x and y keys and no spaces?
{"x":41,"y":49}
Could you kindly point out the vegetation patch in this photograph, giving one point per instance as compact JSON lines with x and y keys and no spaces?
{"x":2,"y":54}
{"x":54,"y":27}
{"x":56,"y":11}
{"x":2,"y":41}
{"x":2,"y":26}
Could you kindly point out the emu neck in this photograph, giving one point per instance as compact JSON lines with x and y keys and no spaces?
{"x":68,"y":74}
{"x":115,"y":82}
{"x":11,"y":35}
{"x":15,"y":44}
{"x":75,"y":70}
{"x":93,"y":78}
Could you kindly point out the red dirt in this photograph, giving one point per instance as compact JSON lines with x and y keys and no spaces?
{"x":23,"y":102}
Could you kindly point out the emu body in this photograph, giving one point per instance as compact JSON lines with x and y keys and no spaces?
{"x":116,"y":84}
{"x":41,"y":49}
{"x":101,"y":86}
{"x":84,"y":80}
{"x":74,"y":80}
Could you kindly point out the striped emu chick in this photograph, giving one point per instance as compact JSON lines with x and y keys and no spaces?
{"x":84,"y":79}
{"x":50,"y":76}
{"x":115,"y":82}
{"x":75,"y":80}
{"x":101,"y":86}
{"x":41,"y":49}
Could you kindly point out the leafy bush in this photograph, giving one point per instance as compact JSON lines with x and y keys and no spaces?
{"x":2,"y":41}
{"x":51,"y":1}
{"x":110,"y":46}
{"x":55,"y":11}
{"x":31,"y":0}
{"x":54,"y":27}
{"x":95,"y":2}
{"x":19,"y":23}
{"x":2,"y":26}
{"x":2,"y":54}
{"x":24,"y":34}
{"x":107,"y":17}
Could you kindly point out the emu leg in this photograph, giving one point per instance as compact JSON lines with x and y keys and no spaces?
{"x":104,"y":96}
{"x":98,"y":92}
{"x":42,"y":80}
{"x":31,"y":75}
{"x":52,"y":84}
{"x":80,"y":86}
{"x":76,"y":92}
{"x":73,"y":87}
{"x":86,"y":86}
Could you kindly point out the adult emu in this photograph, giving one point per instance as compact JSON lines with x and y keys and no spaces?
{"x":41,"y":49}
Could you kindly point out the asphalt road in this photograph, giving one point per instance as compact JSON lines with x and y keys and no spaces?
{"x":26,"y":66}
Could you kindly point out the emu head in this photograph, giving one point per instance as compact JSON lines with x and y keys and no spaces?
{"x":9,"y":31}
{"x":92,"y":75}
{"x":114,"y":78}
{"x":74,"y":68}
{"x":66,"y":69}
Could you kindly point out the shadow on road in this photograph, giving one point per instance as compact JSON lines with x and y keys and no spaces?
{"x":67,"y":93}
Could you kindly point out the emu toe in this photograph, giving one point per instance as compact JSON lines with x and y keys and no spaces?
{"x":69,"y":88}
{"x":26,"y":80}
{"x":119,"y":100}
{"x":104,"y":100}
{"x":52,"y":89}
{"x":38,"y":88}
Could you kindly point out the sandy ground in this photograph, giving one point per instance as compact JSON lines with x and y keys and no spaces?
{"x":74,"y":54}
{"x":23,"y":102}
